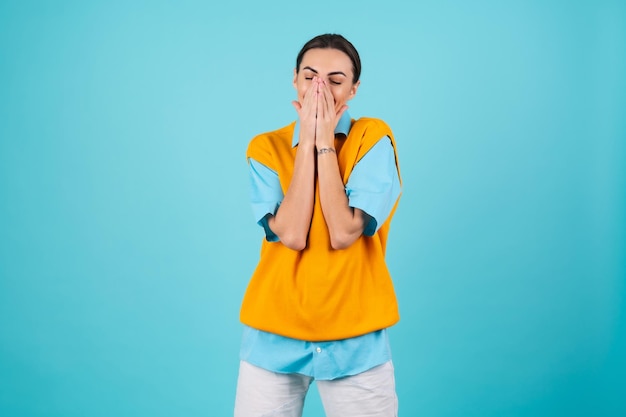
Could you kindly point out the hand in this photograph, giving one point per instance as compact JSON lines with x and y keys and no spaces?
{"x":307,"y":112}
{"x":327,"y":117}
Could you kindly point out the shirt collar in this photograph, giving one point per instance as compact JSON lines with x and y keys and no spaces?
{"x":343,"y":127}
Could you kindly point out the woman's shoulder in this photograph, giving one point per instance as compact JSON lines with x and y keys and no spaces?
{"x":371,"y":124}
{"x":272,"y":139}
{"x":285,"y":132}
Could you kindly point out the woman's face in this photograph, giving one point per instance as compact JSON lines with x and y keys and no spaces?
{"x":331,"y":65}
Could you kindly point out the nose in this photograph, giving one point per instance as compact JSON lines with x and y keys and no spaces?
{"x":318,"y":78}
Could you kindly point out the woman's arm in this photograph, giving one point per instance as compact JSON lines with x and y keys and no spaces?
{"x":292,"y":220}
{"x":345,"y":224}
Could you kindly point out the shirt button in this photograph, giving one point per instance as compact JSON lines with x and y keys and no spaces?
{"x":318,"y":350}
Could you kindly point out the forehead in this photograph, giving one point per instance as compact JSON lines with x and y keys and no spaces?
{"x":327,"y":60}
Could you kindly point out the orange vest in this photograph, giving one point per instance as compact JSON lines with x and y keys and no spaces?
{"x":319,"y":293}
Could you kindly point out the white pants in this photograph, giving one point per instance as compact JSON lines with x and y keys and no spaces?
{"x":261,"y":393}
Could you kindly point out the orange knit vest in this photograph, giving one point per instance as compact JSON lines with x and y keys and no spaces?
{"x":319,"y":293}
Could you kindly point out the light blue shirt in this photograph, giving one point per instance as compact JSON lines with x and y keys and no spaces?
{"x":373,"y":187}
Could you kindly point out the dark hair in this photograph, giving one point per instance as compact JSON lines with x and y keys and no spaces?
{"x":333,"y":41}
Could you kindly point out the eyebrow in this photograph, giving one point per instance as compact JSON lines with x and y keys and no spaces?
{"x":330,"y":73}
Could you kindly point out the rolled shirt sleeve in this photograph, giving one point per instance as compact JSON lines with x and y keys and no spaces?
{"x":266,"y":195}
{"x":374,"y":184}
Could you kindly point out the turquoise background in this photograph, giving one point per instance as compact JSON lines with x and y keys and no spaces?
{"x":127,"y":240}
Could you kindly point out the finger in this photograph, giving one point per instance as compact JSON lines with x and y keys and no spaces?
{"x":319,"y":106}
{"x":329,"y":100}
{"x":310,"y":96}
{"x":320,"y":98}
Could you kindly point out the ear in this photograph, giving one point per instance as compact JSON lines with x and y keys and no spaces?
{"x":295,"y":77}
{"x":354,"y":88}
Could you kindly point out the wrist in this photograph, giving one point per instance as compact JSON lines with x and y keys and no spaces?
{"x":305,"y":142}
{"x":326,"y":149}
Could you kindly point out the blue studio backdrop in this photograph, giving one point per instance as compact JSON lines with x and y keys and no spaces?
{"x":127,"y":239}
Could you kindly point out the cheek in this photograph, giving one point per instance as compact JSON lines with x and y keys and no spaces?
{"x":302,"y":89}
{"x":340,"y":95}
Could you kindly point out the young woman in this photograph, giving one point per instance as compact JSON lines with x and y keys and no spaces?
{"x":324,"y":188}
